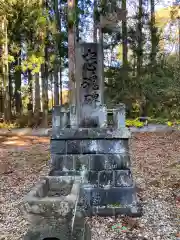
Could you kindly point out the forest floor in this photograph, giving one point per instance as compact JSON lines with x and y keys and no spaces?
{"x":156,"y":170}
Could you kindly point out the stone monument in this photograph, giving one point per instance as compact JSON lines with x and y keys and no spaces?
{"x":92,"y":150}
{"x":90,"y":170}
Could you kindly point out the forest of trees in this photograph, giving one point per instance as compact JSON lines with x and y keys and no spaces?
{"x":34,"y":40}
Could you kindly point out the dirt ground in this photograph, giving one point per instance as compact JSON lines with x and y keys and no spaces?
{"x":156,"y":170}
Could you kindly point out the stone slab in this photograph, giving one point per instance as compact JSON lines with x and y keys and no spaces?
{"x":119,"y":196}
{"x":90,"y":133}
{"x":90,"y":161}
{"x":117,"y":178}
{"x":51,"y":201}
{"x":131,"y":211}
{"x":70,"y":173}
{"x":87,"y":146}
{"x":48,"y":231}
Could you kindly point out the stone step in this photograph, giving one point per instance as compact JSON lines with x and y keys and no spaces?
{"x":109,"y":202}
{"x":90,"y":161}
{"x":102,"y":146}
{"x":115,"y":196}
{"x":129,"y":210}
{"x":117,"y":178}
{"x":90,"y":133}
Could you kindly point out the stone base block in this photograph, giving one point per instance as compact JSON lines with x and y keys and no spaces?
{"x":51,"y":201}
{"x":90,"y":133}
{"x":87,"y":146}
{"x":80,"y":231}
{"x":117,"y":178}
{"x":131,"y":211}
{"x":108,"y":196}
{"x":109,"y":202}
{"x":49,"y":232}
{"x":94,"y":162}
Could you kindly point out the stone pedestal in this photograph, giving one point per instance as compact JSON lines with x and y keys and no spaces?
{"x":49,"y":207}
{"x":101,"y":157}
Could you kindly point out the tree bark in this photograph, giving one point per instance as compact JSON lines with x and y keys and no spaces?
{"x":45,"y":75}
{"x":153,"y":35}
{"x":140,"y":39}
{"x":5,"y":73}
{"x":45,"y":92}
{"x":37,"y":107}
{"x":56,"y":85}
{"x":30,"y":95}
{"x":71,"y":50}
{"x":124,"y":37}
{"x":17,"y":75}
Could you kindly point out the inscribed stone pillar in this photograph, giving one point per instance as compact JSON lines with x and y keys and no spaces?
{"x":89,"y":84}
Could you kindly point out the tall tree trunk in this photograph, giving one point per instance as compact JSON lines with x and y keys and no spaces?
{"x":124,"y":37}
{"x":179,"y":38}
{"x":60,"y":60}
{"x":56,"y":85}
{"x":153,"y":35}
{"x":140,"y":38}
{"x":10,"y":89}
{"x":52,"y":95}
{"x":61,"y":86}
{"x":44,"y":76}
{"x":5,"y":73}
{"x":37,"y":107}
{"x":71,"y":50}
{"x":17,"y":75}
{"x":30,"y":95}
{"x":58,"y":46}
{"x":95,"y":22}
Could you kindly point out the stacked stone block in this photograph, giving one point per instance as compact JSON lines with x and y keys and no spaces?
{"x":101,"y":157}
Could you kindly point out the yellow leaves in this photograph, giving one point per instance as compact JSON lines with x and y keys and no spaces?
{"x":165,"y":15}
{"x":134,"y":123}
{"x":11,"y":59}
{"x":162,"y":16}
{"x":33,"y":63}
{"x":169,"y":124}
{"x":42,"y":20}
{"x":119,"y":52}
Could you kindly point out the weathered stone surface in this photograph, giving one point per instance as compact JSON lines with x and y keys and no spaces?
{"x":119,"y":116}
{"x":89,"y":84}
{"x":87,"y":146}
{"x":61,"y":232}
{"x":116,"y":178}
{"x":90,"y":133}
{"x":71,"y":173}
{"x":112,"y":146}
{"x":112,"y":196}
{"x":73,"y":147}
{"x":90,"y":161}
{"x":81,"y":231}
{"x":60,"y":117}
{"x":129,"y":210}
{"x":58,"y":147}
{"x":93,"y":117}
{"x":53,"y":198}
